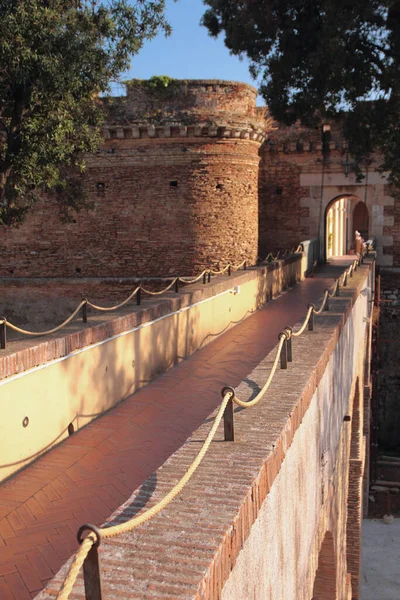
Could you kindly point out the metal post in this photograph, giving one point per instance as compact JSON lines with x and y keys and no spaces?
{"x":204,"y":278}
{"x":345,"y":279}
{"x":91,"y":566}
{"x":209,"y":276}
{"x":337,"y":290}
{"x":289,"y":344}
{"x":284,"y":353}
{"x":3,"y":334}
{"x":229,"y":270}
{"x":245,"y":266}
{"x":177,"y":285}
{"x":138,"y":297}
{"x":327,"y":301}
{"x":229,"y":426}
{"x":84,"y":312}
{"x":311,"y":319}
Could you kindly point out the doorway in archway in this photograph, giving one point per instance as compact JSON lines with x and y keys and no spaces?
{"x":361,"y":220}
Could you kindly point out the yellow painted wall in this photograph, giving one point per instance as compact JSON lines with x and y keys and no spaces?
{"x":78,"y":388}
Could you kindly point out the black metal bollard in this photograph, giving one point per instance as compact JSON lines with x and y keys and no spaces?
{"x":311,"y":319}
{"x":91,"y":566}
{"x":138,"y":297}
{"x":245,"y":266}
{"x":351,"y":271}
{"x":337,"y":290}
{"x":209,"y":276}
{"x":204,"y":278}
{"x":229,"y":426}
{"x":177,"y":285}
{"x":84,"y":311}
{"x":289,"y":344}
{"x":283,"y":351}
{"x":229,"y":270}
{"x":345,"y":279}
{"x":327,"y":301}
{"x":3,"y":334}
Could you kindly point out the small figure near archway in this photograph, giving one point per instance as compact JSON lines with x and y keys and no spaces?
{"x":358,"y":243}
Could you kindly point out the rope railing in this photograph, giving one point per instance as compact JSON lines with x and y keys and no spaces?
{"x":280,"y":255}
{"x":137,"y":292}
{"x":87,"y":555}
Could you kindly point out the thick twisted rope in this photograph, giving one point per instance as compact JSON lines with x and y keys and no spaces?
{"x":311,"y":308}
{"x":75,"y":567}
{"x":237,"y":267}
{"x":188,"y":280}
{"x":108,"y":532}
{"x":325,"y":300}
{"x":49,"y":331}
{"x":282,"y":337}
{"x":116,"y":306}
{"x":162,"y":291}
{"x":221,"y":271}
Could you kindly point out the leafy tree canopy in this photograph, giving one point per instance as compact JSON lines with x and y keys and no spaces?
{"x":318,"y":59}
{"x":56,"y":57}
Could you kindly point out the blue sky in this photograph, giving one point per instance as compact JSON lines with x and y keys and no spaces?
{"x":189,"y":53}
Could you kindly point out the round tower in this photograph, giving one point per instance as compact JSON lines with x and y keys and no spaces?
{"x":173,"y":189}
{"x":180,"y":171}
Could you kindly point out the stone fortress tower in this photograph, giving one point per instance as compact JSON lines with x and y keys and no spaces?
{"x":174,"y":188}
{"x":182,"y":162}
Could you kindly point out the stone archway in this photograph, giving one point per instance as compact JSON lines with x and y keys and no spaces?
{"x":325,"y":577}
{"x":343,"y":216}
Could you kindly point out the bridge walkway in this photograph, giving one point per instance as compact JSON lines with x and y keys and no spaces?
{"x":94,"y":471}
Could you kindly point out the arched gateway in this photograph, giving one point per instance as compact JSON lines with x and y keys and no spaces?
{"x":344,"y":215}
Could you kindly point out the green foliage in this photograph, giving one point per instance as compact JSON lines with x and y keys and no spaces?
{"x":56,"y":57}
{"x":319,"y":59}
{"x":160,"y":82}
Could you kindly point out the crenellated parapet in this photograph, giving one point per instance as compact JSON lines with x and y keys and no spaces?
{"x":177,"y":130}
{"x":164,"y":108}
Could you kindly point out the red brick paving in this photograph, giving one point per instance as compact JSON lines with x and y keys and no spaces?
{"x":94,"y":471}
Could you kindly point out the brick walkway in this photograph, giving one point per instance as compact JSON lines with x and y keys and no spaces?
{"x":93,"y":472}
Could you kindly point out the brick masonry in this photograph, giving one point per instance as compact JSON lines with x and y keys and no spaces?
{"x":178,"y":184}
{"x":196,"y":546}
{"x":174,"y":188}
{"x":300,"y":178}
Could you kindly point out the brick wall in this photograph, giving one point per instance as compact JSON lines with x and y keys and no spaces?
{"x":174,"y":190}
{"x":280,"y":224}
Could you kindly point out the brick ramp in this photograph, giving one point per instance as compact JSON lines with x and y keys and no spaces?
{"x":93,"y":472}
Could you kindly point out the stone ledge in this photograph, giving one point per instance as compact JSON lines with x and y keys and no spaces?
{"x":178,"y":131}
